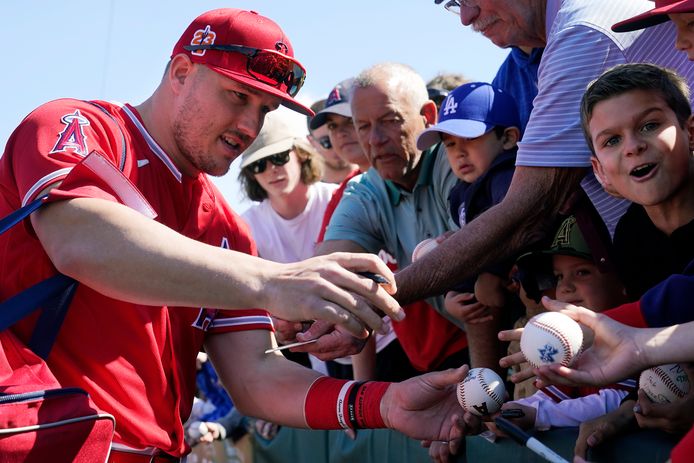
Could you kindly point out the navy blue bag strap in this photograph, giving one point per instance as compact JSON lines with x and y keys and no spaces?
{"x":53,"y":295}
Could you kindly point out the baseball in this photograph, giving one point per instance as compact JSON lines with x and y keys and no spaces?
{"x":481,"y":392}
{"x":197,"y":429}
{"x":423,"y":248}
{"x":551,"y":337}
{"x":665,"y":383}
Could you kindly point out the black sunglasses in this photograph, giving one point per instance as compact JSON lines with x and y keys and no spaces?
{"x":267,"y":66}
{"x":325,"y":142}
{"x":259,"y":166}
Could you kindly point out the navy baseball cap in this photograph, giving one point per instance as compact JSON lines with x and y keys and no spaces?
{"x":338,"y":102}
{"x":470,"y":111}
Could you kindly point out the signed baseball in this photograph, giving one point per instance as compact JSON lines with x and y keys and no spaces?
{"x":423,"y":248}
{"x":551,"y":337}
{"x":665,"y":383}
{"x":481,"y":392}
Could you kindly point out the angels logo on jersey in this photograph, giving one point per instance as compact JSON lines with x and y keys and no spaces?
{"x":72,"y":137}
{"x":202,"y":37}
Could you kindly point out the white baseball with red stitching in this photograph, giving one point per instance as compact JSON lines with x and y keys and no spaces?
{"x":424,"y":248}
{"x":665,"y":383}
{"x":481,"y":392}
{"x":549,"y":338}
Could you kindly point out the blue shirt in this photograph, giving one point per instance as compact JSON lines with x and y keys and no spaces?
{"x":517,"y":75}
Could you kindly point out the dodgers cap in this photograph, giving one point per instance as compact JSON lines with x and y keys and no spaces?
{"x":470,"y":111}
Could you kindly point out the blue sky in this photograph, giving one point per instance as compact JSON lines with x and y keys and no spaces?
{"x":117,"y":49}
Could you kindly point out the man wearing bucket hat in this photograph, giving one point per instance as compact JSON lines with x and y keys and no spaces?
{"x":140,"y":314}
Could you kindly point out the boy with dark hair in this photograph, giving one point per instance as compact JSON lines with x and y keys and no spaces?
{"x":638,"y":124}
{"x":637,"y":121}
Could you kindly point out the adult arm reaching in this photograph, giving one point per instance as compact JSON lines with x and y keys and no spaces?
{"x":535,"y":196}
{"x":115,"y":250}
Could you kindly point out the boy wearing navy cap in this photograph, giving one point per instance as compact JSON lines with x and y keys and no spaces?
{"x":479,"y":126}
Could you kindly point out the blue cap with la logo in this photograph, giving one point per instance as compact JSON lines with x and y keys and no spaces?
{"x":470,"y":111}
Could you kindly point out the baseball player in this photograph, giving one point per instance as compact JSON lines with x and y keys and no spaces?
{"x":166,"y":267}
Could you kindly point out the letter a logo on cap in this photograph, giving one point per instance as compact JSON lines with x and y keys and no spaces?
{"x":450,"y":107}
{"x":202,"y":37}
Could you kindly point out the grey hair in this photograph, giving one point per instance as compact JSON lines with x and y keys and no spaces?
{"x":397,"y":76}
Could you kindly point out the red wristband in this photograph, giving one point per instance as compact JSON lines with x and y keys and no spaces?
{"x":334,"y":403}
{"x":367,"y":405}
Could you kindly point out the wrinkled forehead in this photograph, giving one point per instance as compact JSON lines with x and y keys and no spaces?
{"x":378,"y":100}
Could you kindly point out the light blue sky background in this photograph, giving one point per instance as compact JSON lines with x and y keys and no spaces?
{"x":117,"y":49}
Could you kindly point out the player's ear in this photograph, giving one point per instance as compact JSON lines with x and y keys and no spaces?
{"x":178,"y":71}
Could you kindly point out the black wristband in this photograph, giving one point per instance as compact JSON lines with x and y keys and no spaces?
{"x":351,"y":404}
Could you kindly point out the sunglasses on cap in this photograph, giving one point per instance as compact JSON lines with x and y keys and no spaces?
{"x":259,"y":166}
{"x":325,"y":142}
{"x":267,"y":66}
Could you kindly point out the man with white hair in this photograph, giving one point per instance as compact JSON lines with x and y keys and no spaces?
{"x":404,"y":198}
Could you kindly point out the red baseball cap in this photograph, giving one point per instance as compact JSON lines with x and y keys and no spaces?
{"x":248,"y":48}
{"x":655,"y":16}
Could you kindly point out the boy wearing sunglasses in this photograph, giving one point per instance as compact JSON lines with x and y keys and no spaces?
{"x":165,"y":266}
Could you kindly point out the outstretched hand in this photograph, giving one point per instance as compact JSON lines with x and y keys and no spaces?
{"x":425,"y":407}
{"x":612,"y":356}
{"x":328,"y":288}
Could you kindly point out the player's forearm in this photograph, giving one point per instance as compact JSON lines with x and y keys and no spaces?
{"x":534,"y":198}
{"x":263,"y":385}
{"x":121,"y":254}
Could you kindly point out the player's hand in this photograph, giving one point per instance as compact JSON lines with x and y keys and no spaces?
{"x":465,"y":308}
{"x":333,"y":341}
{"x":601,"y":429}
{"x":675,"y":418}
{"x":328,"y":288}
{"x":425,"y":407}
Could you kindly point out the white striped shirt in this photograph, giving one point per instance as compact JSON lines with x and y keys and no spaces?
{"x":580,"y":47}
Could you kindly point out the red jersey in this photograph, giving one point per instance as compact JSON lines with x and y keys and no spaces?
{"x":137,"y":362}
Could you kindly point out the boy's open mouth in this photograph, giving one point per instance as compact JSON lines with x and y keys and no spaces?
{"x":642,"y":171}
